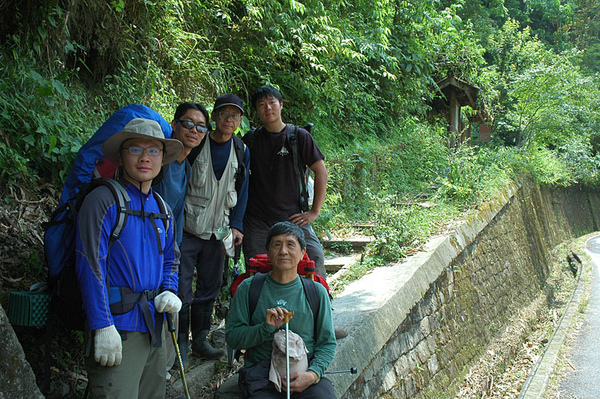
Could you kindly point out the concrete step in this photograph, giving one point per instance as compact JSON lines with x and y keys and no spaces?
{"x":332,"y":265}
{"x":340,"y":266}
{"x":358,"y":244}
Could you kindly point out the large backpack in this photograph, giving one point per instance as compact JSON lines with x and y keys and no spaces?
{"x":59,"y":233}
{"x":259,"y":266}
{"x":302,"y":171}
{"x":90,"y":161}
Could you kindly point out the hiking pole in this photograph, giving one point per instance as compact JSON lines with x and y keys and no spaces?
{"x":286,"y":317}
{"x":236,"y":260}
{"x":171,"y":327}
{"x":352,"y":370}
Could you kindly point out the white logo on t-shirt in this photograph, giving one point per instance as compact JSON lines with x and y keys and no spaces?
{"x":281,"y":303}
{"x":283,"y":152}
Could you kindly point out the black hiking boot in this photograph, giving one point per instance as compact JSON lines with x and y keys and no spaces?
{"x":200,"y":329}
{"x":202,"y":348}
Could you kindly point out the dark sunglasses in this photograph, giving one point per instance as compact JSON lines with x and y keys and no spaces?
{"x":189,"y":125}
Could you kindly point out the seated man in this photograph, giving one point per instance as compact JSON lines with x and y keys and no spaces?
{"x":282,"y":291}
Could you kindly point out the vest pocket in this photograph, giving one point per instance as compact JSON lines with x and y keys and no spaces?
{"x":194,"y":211}
{"x":231,"y":199}
{"x":200,"y":169}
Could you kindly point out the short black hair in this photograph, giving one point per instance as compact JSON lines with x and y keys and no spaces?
{"x":288,"y":229}
{"x":265,"y":91}
{"x":183,"y":108}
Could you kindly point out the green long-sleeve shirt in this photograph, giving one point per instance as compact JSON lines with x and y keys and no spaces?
{"x":257,"y":336}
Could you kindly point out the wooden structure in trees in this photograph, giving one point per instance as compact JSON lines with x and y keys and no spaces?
{"x":454,"y":94}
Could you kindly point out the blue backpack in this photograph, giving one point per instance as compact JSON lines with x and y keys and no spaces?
{"x":90,"y":161}
{"x":89,"y":171}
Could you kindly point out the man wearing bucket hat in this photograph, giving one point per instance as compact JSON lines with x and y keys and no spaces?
{"x":216,"y":198}
{"x":125,"y":336}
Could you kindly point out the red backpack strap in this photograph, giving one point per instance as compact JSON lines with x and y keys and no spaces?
{"x":319,"y":279}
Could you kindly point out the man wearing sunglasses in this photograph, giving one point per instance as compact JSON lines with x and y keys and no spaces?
{"x":213,"y":200}
{"x":190,"y":125}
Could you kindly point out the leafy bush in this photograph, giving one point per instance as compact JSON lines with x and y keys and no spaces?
{"x":581,"y":162}
{"x":405,"y":224}
{"x":473,"y":174}
{"x":572,"y":163}
{"x":43,"y":120}
{"x":547,"y":168}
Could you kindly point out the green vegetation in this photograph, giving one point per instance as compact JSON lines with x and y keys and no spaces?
{"x":363,"y":72}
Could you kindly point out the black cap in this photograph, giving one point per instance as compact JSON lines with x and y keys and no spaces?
{"x":229,"y":99}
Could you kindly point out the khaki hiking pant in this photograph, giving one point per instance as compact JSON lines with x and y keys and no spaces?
{"x":141,"y":374}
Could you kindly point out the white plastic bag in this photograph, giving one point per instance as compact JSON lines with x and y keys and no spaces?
{"x":298,"y":357}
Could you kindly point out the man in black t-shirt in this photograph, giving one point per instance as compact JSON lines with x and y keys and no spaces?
{"x":274,"y":191}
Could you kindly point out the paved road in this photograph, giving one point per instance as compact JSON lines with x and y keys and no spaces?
{"x":583,"y":382}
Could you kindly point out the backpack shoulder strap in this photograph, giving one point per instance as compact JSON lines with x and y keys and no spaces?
{"x":310,"y":289}
{"x":122,"y":198}
{"x":312,"y":295}
{"x":300,"y":167}
{"x":196,"y":150}
{"x":256,"y":286}
{"x":165,"y":211}
{"x":250,"y":136}
{"x":240,"y":173}
{"x":240,"y":147}
{"x":292,"y":138}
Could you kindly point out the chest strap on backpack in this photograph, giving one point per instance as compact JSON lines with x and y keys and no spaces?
{"x":152,"y":216}
{"x":123,"y":300}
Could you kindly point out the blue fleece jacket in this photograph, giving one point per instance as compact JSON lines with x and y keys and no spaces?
{"x":135,"y":261}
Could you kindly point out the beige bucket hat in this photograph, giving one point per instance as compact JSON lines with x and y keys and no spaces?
{"x":140,"y":128}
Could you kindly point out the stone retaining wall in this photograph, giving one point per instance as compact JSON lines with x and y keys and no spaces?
{"x":416,"y":327}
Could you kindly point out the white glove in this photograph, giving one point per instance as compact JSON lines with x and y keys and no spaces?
{"x":167,"y":302}
{"x":108,"y":346}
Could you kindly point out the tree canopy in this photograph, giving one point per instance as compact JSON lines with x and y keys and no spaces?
{"x":364,"y":72}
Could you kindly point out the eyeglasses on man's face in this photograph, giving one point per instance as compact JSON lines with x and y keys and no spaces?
{"x":151,"y":151}
{"x":200,"y":127}
{"x":235,"y":116}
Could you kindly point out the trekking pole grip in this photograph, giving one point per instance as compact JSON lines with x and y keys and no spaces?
{"x":287,"y":316}
{"x":170,"y":323}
